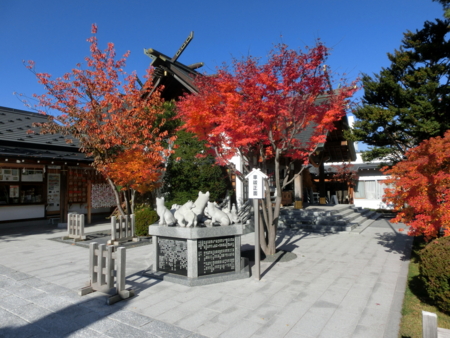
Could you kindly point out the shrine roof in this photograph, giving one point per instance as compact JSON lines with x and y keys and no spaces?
{"x":175,"y":77}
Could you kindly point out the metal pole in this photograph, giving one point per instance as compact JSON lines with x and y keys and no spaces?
{"x":257,"y":249}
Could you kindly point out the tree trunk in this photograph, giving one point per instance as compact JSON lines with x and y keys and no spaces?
{"x":127,"y":194}
{"x":268,"y":230}
{"x":133,"y":198}
{"x":116,"y":195}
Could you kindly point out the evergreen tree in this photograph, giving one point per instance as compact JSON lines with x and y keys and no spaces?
{"x":446,"y":5}
{"x":191,"y":169}
{"x":409,"y":101}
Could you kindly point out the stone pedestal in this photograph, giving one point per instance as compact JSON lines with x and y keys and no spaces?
{"x":198,"y":256}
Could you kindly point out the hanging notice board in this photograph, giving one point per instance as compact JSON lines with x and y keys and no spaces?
{"x":53,"y":191}
{"x":9,"y":175}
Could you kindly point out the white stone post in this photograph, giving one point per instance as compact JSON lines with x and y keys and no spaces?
{"x":75,"y":226}
{"x":122,"y":229}
{"x":104,"y":265}
{"x":429,"y":325}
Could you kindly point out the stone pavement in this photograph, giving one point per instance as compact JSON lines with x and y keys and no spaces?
{"x":340,"y":285}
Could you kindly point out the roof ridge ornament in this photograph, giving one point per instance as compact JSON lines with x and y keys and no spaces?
{"x":183,"y":47}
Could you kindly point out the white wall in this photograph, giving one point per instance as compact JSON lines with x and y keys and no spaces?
{"x":237,"y":161}
{"x":16,"y":212}
{"x":371,"y":203}
{"x":372,"y":174}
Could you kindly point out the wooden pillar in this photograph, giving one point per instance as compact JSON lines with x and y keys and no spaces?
{"x":63,"y":204}
{"x":89,"y":202}
{"x":298,"y":191}
{"x":350,"y":194}
{"x":322,"y":190}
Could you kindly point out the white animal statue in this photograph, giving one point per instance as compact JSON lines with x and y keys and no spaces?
{"x":174,"y":208}
{"x":233,"y":214}
{"x":185,"y":216}
{"x":166,"y":218}
{"x":200,"y":203}
{"x":217,"y":215}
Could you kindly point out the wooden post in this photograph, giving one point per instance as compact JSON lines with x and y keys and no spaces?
{"x":89,"y":202}
{"x":322,"y":190}
{"x":257,"y":246}
{"x":298,"y":192}
{"x":64,"y":195}
{"x":256,"y":182}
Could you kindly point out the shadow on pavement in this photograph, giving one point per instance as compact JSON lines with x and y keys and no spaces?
{"x":12,"y":230}
{"x":62,"y":323}
{"x":47,"y":310}
{"x":392,"y":240}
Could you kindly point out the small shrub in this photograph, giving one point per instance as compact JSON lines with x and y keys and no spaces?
{"x":435,"y":271}
{"x":143,"y":218}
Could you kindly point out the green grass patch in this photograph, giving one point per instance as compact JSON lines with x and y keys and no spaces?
{"x":416,"y":300}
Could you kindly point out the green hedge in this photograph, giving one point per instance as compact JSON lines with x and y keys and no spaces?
{"x":435,"y":271}
{"x":143,"y":218}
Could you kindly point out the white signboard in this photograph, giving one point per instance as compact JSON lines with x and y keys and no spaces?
{"x":32,"y":175}
{"x":14,"y":191}
{"x":9,"y":175}
{"x":256,"y":184}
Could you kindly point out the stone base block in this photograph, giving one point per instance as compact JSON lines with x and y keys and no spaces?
{"x":123,"y":240}
{"x":82,"y":238}
{"x":203,"y":280}
{"x":119,"y":296}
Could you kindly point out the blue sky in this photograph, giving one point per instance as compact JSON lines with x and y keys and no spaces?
{"x":53,"y":33}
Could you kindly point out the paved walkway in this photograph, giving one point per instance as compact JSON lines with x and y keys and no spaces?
{"x":340,"y":285}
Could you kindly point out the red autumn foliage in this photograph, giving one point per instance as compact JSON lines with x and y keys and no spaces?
{"x":262,"y":108}
{"x":258,"y":110}
{"x":345,"y":174}
{"x":103,"y":108}
{"x":421,"y":188}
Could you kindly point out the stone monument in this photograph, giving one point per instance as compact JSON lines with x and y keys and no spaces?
{"x":204,"y":251}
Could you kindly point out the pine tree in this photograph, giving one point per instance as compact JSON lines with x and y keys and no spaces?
{"x":446,"y":5}
{"x":409,"y":101}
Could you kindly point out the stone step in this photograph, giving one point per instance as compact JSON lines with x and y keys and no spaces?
{"x":364,"y":216}
{"x":372,"y":217}
{"x":346,"y":212}
{"x":355,"y":215}
{"x":320,"y":228}
{"x":345,"y":218}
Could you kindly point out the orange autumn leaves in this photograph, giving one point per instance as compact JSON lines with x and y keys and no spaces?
{"x":135,"y":169}
{"x":421,"y":188}
{"x":101,"y":106}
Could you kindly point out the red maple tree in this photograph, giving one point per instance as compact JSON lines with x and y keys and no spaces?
{"x":420,"y":188}
{"x":103,"y":108}
{"x":345,"y":173}
{"x":257,"y":111}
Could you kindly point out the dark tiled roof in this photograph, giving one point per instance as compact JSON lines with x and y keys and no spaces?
{"x":305,"y":135}
{"x":15,"y":126}
{"x":42,"y":154}
{"x":19,"y":137}
{"x":331,"y":169}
